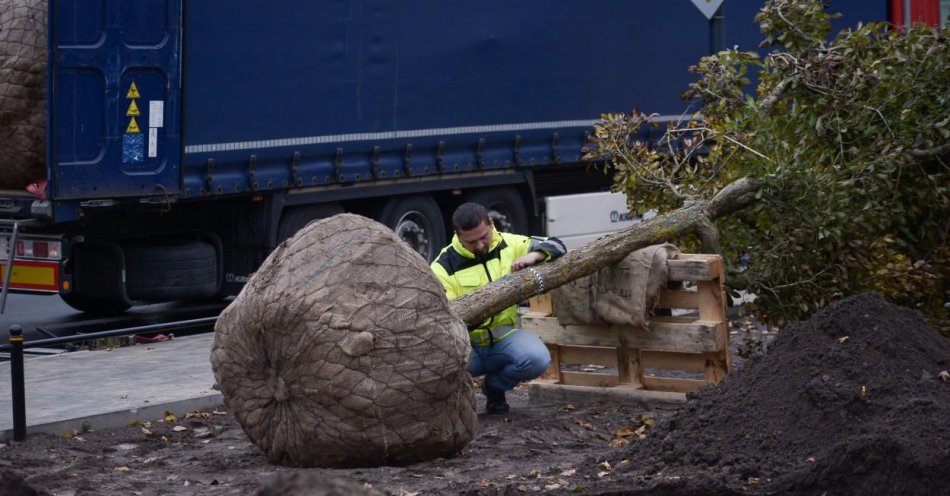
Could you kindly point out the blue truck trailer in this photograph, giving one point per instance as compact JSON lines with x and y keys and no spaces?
{"x":186,"y":139}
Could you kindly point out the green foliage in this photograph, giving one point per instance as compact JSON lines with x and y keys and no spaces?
{"x":851,"y":139}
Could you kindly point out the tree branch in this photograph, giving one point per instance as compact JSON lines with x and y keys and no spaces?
{"x":930,"y":152}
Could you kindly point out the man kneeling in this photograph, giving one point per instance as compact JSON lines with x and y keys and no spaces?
{"x":477,"y":256}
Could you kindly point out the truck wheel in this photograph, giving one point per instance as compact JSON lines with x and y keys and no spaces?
{"x":418,"y":221}
{"x":505,"y":207}
{"x":296,"y":218}
{"x":171,"y":270}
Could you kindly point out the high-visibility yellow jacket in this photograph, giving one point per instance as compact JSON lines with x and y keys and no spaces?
{"x":461,"y":271}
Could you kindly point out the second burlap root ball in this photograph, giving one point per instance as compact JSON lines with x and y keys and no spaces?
{"x":342,"y":351}
{"x":22,"y":92}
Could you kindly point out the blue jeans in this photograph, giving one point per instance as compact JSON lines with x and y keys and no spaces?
{"x":521,"y":356}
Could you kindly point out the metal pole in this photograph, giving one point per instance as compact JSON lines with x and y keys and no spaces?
{"x":717,"y":32}
{"x":16,"y":377}
{"x":9,"y":268}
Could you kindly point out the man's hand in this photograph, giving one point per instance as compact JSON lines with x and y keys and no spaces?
{"x":527,"y":260}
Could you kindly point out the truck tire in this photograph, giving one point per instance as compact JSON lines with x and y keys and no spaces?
{"x":171,"y":270}
{"x":418,"y":221}
{"x":505,"y":207}
{"x":296,"y":218}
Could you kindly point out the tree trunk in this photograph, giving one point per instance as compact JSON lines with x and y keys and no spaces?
{"x":473,"y":308}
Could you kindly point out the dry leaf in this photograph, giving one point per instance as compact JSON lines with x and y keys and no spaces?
{"x":165,"y":438}
{"x":569,"y":407}
{"x":944,"y":376}
{"x":149,"y":460}
{"x":568,"y":473}
{"x":624,"y":432}
{"x":172,"y":477}
{"x":535,"y":473}
{"x":216,"y":412}
{"x":484,"y":483}
{"x":179,"y":428}
{"x":169,"y":417}
{"x":810,"y":459}
{"x":121,"y":468}
{"x":864,"y":391}
{"x":618,"y":442}
{"x":602,"y":474}
{"x":843,"y":339}
{"x":583,"y":424}
{"x":605,"y":464}
{"x":146,"y":431}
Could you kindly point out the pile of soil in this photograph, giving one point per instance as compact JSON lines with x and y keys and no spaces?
{"x":851,"y":401}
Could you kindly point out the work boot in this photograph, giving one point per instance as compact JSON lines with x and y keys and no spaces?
{"x":495,"y":403}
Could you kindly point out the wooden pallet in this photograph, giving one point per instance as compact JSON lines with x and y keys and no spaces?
{"x":633,"y":364}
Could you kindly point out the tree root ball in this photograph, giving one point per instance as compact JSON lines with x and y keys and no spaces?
{"x":341,"y":351}
{"x":22,"y":92}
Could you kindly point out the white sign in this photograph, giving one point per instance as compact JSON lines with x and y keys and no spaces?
{"x":707,"y":7}
{"x":156,"y":113}
{"x":152,"y":142}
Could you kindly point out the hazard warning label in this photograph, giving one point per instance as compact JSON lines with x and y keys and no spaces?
{"x":133,"y":92}
{"x":133,"y":110}
{"x":133,"y":127}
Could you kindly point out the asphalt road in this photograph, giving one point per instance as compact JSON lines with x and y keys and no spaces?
{"x":29,"y":311}
{"x":43,"y":316}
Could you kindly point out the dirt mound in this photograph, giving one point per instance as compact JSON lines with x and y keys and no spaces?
{"x":14,"y":484}
{"x":848,"y":402}
{"x":303,"y":484}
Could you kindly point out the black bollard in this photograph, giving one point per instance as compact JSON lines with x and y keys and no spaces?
{"x":16,"y":376}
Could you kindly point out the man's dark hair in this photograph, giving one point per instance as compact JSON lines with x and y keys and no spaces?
{"x":469,"y":216}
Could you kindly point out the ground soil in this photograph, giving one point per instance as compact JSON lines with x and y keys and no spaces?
{"x":851,"y":401}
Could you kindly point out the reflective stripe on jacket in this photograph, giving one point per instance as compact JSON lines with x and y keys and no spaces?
{"x":461,"y":272}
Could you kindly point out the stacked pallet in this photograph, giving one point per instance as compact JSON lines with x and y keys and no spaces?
{"x":677,"y":354}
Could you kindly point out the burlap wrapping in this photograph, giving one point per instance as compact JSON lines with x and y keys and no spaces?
{"x":342,"y":351}
{"x":622,"y":294}
{"x":22,"y":92}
